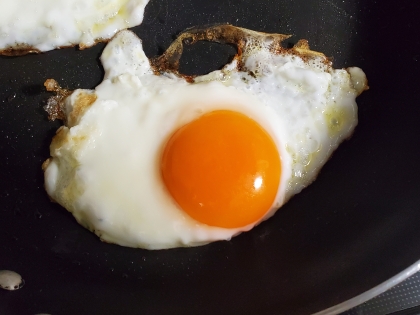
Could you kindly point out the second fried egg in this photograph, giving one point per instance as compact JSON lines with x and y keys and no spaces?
{"x":42,"y":25}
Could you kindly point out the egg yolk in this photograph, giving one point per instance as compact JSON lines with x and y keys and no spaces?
{"x":223,"y":169}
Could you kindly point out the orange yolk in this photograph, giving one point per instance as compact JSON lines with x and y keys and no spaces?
{"x":223,"y":169}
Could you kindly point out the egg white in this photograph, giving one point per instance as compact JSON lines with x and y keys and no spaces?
{"x":105,"y":162}
{"x":45,"y":24}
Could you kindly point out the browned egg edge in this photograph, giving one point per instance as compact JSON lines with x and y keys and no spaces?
{"x":21,"y":49}
{"x":244,"y":39}
{"x":55,"y":104}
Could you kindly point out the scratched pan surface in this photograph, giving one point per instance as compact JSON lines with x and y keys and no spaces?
{"x":355,"y":227}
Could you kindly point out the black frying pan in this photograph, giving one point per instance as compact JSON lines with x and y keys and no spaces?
{"x":354,"y":228}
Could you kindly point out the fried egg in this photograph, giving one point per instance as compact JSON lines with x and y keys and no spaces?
{"x":154,"y":159}
{"x":42,"y":25}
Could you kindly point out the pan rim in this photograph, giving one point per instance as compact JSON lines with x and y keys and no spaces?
{"x":372,"y":293}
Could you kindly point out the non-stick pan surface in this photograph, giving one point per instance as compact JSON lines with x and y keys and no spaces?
{"x":355,"y":227}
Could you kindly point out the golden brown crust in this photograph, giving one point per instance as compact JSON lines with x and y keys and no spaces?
{"x":51,"y":85}
{"x":82,"y":103}
{"x":60,"y":138}
{"x":24,"y":49}
{"x":97,"y":41}
{"x":19,"y":50}
{"x":55,"y":103}
{"x":244,"y":39}
{"x":45,"y":164}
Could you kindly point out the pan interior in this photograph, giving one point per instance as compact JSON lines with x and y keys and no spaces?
{"x":354,"y":228}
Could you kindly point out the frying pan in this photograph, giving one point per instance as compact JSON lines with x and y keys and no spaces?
{"x":353,"y":229}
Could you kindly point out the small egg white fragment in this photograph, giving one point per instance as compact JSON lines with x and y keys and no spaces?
{"x":105,"y":161}
{"x":42,"y":25}
{"x":10,"y":280}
